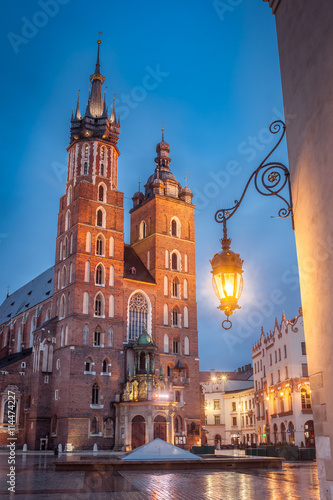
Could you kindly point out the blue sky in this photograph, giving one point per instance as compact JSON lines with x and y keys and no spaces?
{"x":217,"y":87}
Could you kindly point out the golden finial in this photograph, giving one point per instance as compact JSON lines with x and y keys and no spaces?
{"x":186,"y":179}
{"x":100,"y":33}
{"x":139,"y":183}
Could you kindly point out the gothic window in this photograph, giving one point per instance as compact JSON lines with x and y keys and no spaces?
{"x":85,"y":335}
{"x":138,"y":315}
{"x":101,"y":193}
{"x":175,"y":288}
{"x":186,"y":346}
{"x":111,"y":247}
{"x":97,"y":337}
{"x":100,"y":245}
{"x":142,"y":230}
{"x":175,"y":317}
{"x":87,"y":272}
{"x":111,"y":306}
{"x":68,"y":220}
{"x":62,"y":336}
{"x":177,"y":396}
{"x":85,"y":302}
{"x":165,"y":314}
{"x":186,"y":263}
{"x":69,"y":195}
{"x":175,"y":227}
{"x":166,"y":286}
{"x":110,"y":337}
{"x":99,"y":275}
{"x":85,"y":170}
{"x":94,"y":425}
{"x":166,"y":259}
{"x":58,"y":280}
{"x":63,"y":277}
{"x":111,"y":279}
{"x":88,"y":365}
{"x":185,"y":289}
{"x":99,"y":305}
{"x":65,"y":253}
{"x":105,"y":366}
{"x":70,"y":272}
{"x":102,"y":169}
{"x":175,"y":261}
{"x":102,"y":153}
{"x":62,"y":307}
{"x":176,"y":345}
{"x":66,"y":335}
{"x":88,"y":242}
{"x":95,"y":397}
{"x":99,"y":218}
{"x":86,"y":151}
{"x":166,"y":343}
{"x":185,"y":317}
{"x":68,"y":304}
{"x":60,"y":250}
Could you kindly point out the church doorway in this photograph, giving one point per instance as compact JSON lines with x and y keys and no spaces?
{"x":160,"y":428}
{"x":138,"y":431}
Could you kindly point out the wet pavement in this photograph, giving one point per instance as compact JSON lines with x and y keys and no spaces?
{"x":36,"y":479}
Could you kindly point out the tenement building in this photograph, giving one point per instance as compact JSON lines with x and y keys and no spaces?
{"x":281,"y":385}
{"x":229,"y":407}
{"x":103,"y":346}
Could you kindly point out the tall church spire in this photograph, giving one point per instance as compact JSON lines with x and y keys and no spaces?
{"x":97,"y":80}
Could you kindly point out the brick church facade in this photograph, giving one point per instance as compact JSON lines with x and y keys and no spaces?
{"x":103,"y":347}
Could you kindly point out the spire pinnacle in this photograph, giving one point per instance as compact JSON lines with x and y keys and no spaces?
{"x":162,"y":134}
{"x":97,"y":80}
{"x":78,"y":112}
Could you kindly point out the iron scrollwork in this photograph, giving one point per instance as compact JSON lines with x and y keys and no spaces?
{"x":270,"y":178}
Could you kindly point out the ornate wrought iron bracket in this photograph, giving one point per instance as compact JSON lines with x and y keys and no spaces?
{"x":270,"y":178}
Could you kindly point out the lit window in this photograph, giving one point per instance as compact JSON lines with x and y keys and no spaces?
{"x":216,"y":404}
{"x":305,"y":399}
{"x":138,"y":315}
{"x":217,"y":419}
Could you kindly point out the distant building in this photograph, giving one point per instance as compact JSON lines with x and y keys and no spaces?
{"x":229,"y":407}
{"x":281,"y":385}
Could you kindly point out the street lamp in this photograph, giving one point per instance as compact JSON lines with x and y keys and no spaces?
{"x":270,"y":178}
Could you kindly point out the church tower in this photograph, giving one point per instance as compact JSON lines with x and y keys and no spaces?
{"x":88,"y":279}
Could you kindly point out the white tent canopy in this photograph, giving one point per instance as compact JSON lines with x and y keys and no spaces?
{"x":160,"y":450}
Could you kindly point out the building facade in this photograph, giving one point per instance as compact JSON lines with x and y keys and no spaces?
{"x":229,"y":407}
{"x":103,"y":347}
{"x":281,"y":385}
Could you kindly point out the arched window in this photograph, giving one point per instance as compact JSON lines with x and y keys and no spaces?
{"x":175,"y":288}
{"x":111,"y":306}
{"x":98,"y":341}
{"x":100,"y":245}
{"x":138,"y":315}
{"x":305,"y":399}
{"x":186,"y":263}
{"x":148,"y":260}
{"x":102,"y":153}
{"x":66,"y":335}
{"x":111,"y":278}
{"x":283,"y":433}
{"x":63,"y":277}
{"x":176,"y":345}
{"x":185,"y":317}
{"x":87,"y":271}
{"x":68,"y":304}
{"x":175,"y":317}
{"x":186,"y":346}
{"x":70,"y":272}
{"x":95,"y":397}
{"x":111,"y":247}
{"x":62,"y":336}
{"x":71,"y":244}
{"x":99,"y":305}
{"x":166,"y":259}
{"x":69,"y":195}
{"x":94,"y":425}
{"x":58,"y":280}
{"x":101,"y":193}
{"x":185,"y":289}
{"x":99,"y":218}
{"x":88,"y":242}
{"x":166,"y":343}
{"x":166,"y":286}
{"x":86,"y":335}
{"x":165,"y":314}
{"x":99,"y":275}
{"x":85,"y":303}
{"x":175,"y":261}
{"x":86,"y":151}
{"x":142,"y":230}
{"x":175,"y":227}
{"x":60,"y":250}
{"x":105,"y":366}
{"x":62,"y":307}
{"x":102,"y":169}
{"x":110,"y":337}
{"x":66,"y":250}
{"x":85,"y":169}
{"x":68,"y":220}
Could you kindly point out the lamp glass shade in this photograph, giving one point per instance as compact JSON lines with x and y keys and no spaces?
{"x":228,"y":284}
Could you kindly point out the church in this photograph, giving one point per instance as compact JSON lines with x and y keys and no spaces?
{"x":102,"y":348}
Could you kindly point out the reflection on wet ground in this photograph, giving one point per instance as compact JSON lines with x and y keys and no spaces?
{"x":37,"y":479}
